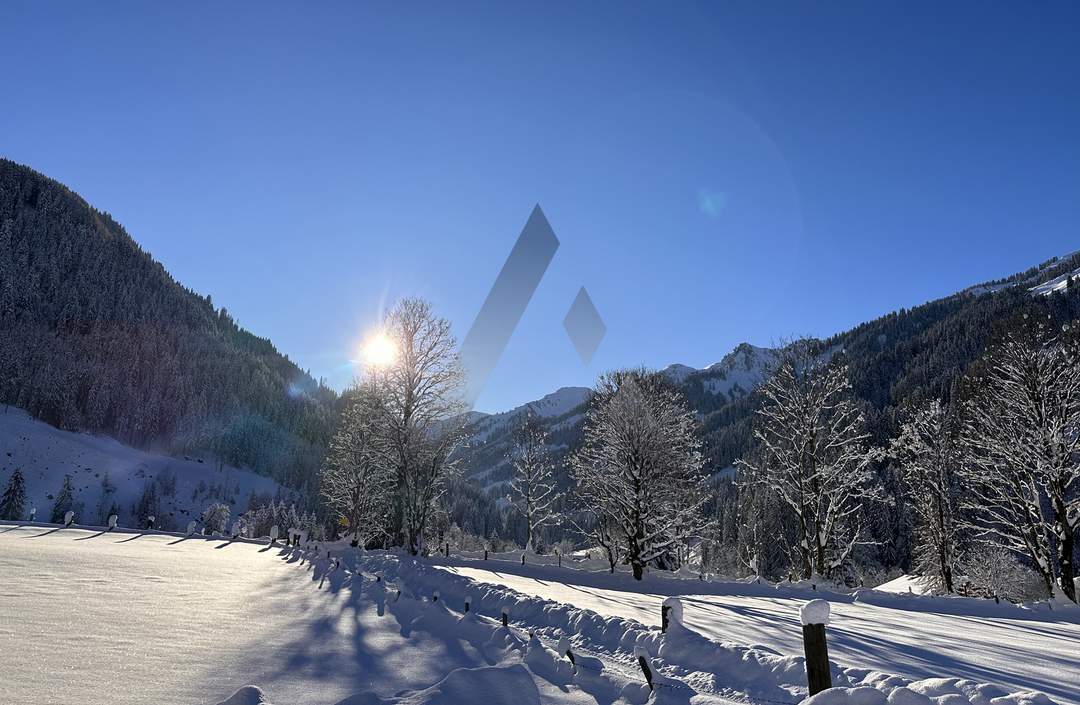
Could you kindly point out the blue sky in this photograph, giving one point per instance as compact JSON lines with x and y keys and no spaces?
{"x":715,"y":172}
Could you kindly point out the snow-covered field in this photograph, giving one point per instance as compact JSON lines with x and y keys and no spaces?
{"x":915,"y":637}
{"x":90,"y":617}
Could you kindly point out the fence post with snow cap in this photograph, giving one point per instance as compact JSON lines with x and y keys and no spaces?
{"x":150,"y":522}
{"x":505,"y":616}
{"x":670,"y":611}
{"x":273,"y":534}
{"x":112,"y":521}
{"x":435,"y":596}
{"x":468,"y":603}
{"x":69,"y":518}
{"x":33,"y":513}
{"x":191,"y":528}
{"x":567,"y":651}
{"x":814,"y":616}
{"x":523,"y":558}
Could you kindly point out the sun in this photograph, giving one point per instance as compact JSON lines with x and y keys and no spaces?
{"x":379,"y":350}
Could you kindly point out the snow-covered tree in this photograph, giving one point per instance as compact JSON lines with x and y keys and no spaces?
{"x":357,"y":479}
{"x":106,"y":503}
{"x":991,"y":570}
{"x":65,"y":501}
{"x":813,"y":454}
{"x":1023,"y":431}
{"x":929,"y":454}
{"x":147,"y":504}
{"x":639,"y":466}
{"x":215,"y":518}
{"x":419,"y":391}
{"x":13,"y":501}
{"x":532,"y":488}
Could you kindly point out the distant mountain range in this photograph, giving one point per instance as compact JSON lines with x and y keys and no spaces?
{"x":95,"y":335}
{"x":905,"y":355}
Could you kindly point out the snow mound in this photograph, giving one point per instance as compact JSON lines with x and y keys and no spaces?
{"x":814,"y":612}
{"x":492,"y":685}
{"x":248,"y":695}
{"x":890,"y":690}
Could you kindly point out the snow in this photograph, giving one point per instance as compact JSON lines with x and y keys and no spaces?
{"x":910,"y":584}
{"x":130,"y":617}
{"x":911,"y":636}
{"x":1059,"y":283}
{"x":45,"y":454}
{"x":814,"y":612}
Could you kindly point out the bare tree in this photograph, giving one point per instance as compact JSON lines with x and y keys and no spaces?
{"x":532,"y":489}
{"x":639,"y":466}
{"x":421,"y":410}
{"x":929,"y":454}
{"x":814,"y":455}
{"x":357,"y":479}
{"x":1024,"y":433}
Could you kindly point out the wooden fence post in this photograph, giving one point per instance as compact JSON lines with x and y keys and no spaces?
{"x":505,"y":616}
{"x":670,"y":611}
{"x":815,"y":615}
{"x":112,"y":521}
{"x":447,"y":553}
{"x":646,"y":668}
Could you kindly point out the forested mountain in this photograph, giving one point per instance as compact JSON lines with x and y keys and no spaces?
{"x":903,"y":357}
{"x":96,"y":336}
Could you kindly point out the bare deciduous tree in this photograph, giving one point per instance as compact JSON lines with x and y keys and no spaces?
{"x":929,"y":454}
{"x":814,"y":455}
{"x":421,"y":410}
{"x":639,"y":467}
{"x":532,"y":489}
{"x":1023,"y":431}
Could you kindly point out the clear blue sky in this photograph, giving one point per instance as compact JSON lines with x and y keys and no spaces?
{"x":716,"y":173}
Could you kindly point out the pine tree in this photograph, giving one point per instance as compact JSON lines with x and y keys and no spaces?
{"x":13,"y":502}
{"x":65,"y":502}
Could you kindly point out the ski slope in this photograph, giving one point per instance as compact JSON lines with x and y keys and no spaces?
{"x":909,"y":636}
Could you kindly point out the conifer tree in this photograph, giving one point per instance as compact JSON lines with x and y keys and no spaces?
{"x":65,"y":502}
{"x":13,"y":502}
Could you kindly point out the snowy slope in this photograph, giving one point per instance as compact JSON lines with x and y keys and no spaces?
{"x":45,"y":454}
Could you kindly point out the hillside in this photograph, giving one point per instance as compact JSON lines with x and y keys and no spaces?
{"x":901,"y":357}
{"x":108,"y":476}
{"x":95,"y":335}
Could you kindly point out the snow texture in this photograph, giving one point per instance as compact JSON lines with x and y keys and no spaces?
{"x":814,"y":612}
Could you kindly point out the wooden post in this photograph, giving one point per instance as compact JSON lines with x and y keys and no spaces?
{"x":435,"y":596}
{"x":485,"y":554}
{"x":505,"y":617}
{"x":644,"y":663}
{"x":468,"y":604}
{"x":815,"y":615}
{"x":447,"y":549}
{"x":664,"y":610}
{"x":523,"y":558}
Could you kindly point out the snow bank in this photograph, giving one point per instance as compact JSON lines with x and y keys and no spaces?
{"x":932,"y":691}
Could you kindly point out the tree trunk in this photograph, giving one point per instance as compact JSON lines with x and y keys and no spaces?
{"x":639,"y":569}
{"x":1065,"y":547}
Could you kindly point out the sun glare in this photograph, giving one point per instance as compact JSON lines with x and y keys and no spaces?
{"x":379,"y":350}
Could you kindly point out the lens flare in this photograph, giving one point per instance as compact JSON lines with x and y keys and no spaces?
{"x":379,"y":350}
